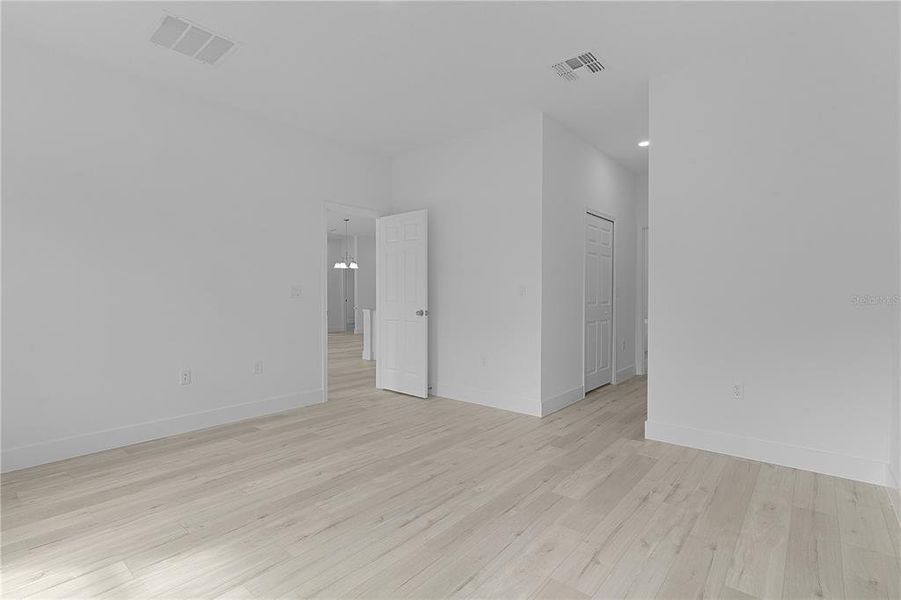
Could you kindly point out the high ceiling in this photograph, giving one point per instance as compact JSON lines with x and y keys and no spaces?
{"x":391,"y":76}
{"x":357,"y":225}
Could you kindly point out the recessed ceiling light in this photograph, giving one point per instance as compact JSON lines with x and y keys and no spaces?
{"x":644,"y":143}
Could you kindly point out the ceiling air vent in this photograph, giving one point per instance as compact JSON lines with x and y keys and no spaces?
{"x":192,"y":40}
{"x":571,"y":68}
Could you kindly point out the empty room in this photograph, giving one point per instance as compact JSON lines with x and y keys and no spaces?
{"x":491,"y":300}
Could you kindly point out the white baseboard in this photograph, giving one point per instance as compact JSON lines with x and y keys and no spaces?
{"x":624,"y":374}
{"x":563,"y":400}
{"x":798,"y":457}
{"x":53,"y":450}
{"x":501,"y":400}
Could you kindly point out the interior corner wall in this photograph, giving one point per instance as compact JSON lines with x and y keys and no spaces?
{"x":641,"y":268}
{"x":577,"y":177}
{"x":894,"y":482}
{"x":896,"y":425}
{"x":144,"y":233}
{"x":482,"y":192}
{"x":895,"y":460}
{"x":774,"y":250}
{"x":894,"y":470}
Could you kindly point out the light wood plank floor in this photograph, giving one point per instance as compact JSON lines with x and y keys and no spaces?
{"x":377,"y":495}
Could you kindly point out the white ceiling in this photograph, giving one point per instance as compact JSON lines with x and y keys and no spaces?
{"x":356,"y":226}
{"x":390,"y":76}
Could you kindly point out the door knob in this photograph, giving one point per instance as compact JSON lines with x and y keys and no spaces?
{"x":421,"y":312}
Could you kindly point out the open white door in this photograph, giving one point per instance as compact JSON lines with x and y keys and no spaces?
{"x":402,"y":303}
{"x":598,"y":301}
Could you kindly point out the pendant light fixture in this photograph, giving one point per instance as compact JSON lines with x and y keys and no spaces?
{"x":347,"y":262}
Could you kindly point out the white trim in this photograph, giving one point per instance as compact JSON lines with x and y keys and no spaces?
{"x":625,"y":373}
{"x":560,"y":401}
{"x":323,"y":301}
{"x":798,"y":457}
{"x":494,"y":399}
{"x":540,"y":290}
{"x":599,"y":214}
{"x":59,"y":449}
{"x":378,"y":340}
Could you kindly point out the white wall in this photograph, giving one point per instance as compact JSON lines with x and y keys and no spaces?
{"x":641,"y":285}
{"x":144,"y":232}
{"x":365,"y":277}
{"x":338,"y":311}
{"x":773,"y":200}
{"x":506,"y":229}
{"x":482,"y":192}
{"x":577,"y":177}
{"x":641,"y":200}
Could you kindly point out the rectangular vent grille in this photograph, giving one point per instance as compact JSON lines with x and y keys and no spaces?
{"x":565,"y":71}
{"x":570,"y":68}
{"x":192,"y":40}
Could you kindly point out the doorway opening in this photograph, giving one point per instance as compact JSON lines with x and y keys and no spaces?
{"x":374,"y":320}
{"x":349,"y":300}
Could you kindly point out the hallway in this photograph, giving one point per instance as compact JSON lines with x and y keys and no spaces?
{"x":348,"y":373}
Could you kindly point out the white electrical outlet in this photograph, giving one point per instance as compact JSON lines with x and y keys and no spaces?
{"x":184,"y":378}
{"x":738,"y":391}
{"x":258,"y":367}
{"x":296,"y":291}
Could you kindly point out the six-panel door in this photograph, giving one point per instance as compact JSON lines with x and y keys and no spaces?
{"x":402,"y":303}
{"x":598,"y":301}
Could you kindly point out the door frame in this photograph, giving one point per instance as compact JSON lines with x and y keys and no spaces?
{"x":613,"y":340}
{"x":323,"y":280}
